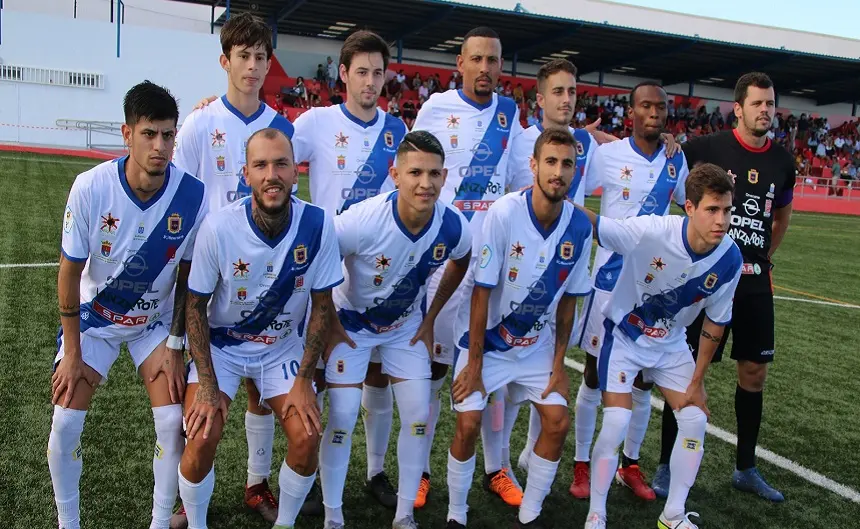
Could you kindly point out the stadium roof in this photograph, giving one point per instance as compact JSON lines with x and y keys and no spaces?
{"x":438,"y":25}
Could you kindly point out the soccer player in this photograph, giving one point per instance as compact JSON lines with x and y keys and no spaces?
{"x":638,"y":178}
{"x":390,"y":245}
{"x":764,"y":174}
{"x":127,"y":241}
{"x":674,"y":267}
{"x":476,"y":127}
{"x":211,"y":145}
{"x":257,"y":262}
{"x":505,"y":337}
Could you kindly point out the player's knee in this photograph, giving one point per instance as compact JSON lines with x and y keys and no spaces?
{"x":751,"y":376}
{"x":413,"y":401}
{"x":556,"y":423}
{"x":168,"y":419}
{"x":438,"y":370}
{"x":67,"y":426}
{"x":589,"y":375}
{"x":692,"y":422}
{"x":301,"y":444}
{"x":468,"y":427}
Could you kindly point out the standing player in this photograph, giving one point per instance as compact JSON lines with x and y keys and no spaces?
{"x":258,"y":261}
{"x":505,"y":338}
{"x":764,"y":174}
{"x":211,"y":145}
{"x":638,"y":178}
{"x":475,"y":126}
{"x":644,"y":325}
{"x":390,"y":245}
{"x":126,"y":224}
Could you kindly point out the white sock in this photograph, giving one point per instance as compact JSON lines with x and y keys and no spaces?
{"x":531,"y":440}
{"x":492,"y":426}
{"x":378,"y":407}
{"x":433,"y":418}
{"x":541,"y":475}
{"x":165,"y":463}
{"x":260,"y":431}
{"x":413,"y":406}
{"x":65,"y":461}
{"x":512,"y":411}
{"x":638,"y":423}
{"x":335,"y":448}
{"x":195,"y":498}
{"x":585,"y":420}
{"x":294,"y":490}
{"x":686,"y":458}
{"x":460,"y":475}
{"x":615,"y":421}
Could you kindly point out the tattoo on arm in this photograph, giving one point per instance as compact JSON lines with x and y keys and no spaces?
{"x":318,"y":328}
{"x":197,"y":324}
{"x":711,"y":337}
{"x":177,"y":327}
{"x":564,"y":323}
{"x":451,"y":279}
{"x":70,"y":310}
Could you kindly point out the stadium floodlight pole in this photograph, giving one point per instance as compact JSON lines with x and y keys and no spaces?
{"x":118,"y":6}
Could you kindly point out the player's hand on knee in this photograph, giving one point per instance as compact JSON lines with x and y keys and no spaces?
{"x":66,"y":377}
{"x":425,"y":335}
{"x":208,"y":402}
{"x":696,"y":396}
{"x":302,"y":401}
{"x":205,"y":102}
{"x":559,"y":383}
{"x":337,"y":335}
{"x":467,"y":382}
{"x":169,"y":362}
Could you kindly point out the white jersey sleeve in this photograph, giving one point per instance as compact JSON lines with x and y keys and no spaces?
{"x":578,"y":282}
{"x":348,"y":227}
{"x":465,"y":245}
{"x":493,"y":246}
{"x":595,"y":169}
{"x":205,"y":271}
{"x":188,"y":254}
{"x":719,"y":305}
{"x":424,"y":119}
{"x":519,"y":166}
{"x":622,"y":235}
{"x":329,"y":272}
{"x":76,"y":221}
{"x":680,"y":193}
{"x":186,"y":153}
{"x":303,"y":137}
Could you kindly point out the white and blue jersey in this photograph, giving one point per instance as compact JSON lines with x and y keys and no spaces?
{"x":633,"y":184}
{"x":261,"y":287}
{"x":131,"y":248}
{"x":529,"y":269}
{"x":348,"y":158}
{"x":664,"y":285}
{"x":522,"y":150}
{"x":386,"y":267}
{"x":211,"y":146}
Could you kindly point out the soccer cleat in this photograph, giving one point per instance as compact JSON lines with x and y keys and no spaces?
{"x":682,"y":523}
{"x":750,"y":480}
{"x":282,"y":527}
{"x":633,"y":478}
{"x":500,"y":484}
{"x":454,"y":524}
{"x":537,"y":523}
{"x":581,"y":486}
{"x":595,"y":521}
{"x":423,"y":491}
{"x":380,"y":488}
{"x":660,"y":483}
{"x":313,"y":505}
{"x":259,"y":498}
{"x":333,"y":525}
{"x":512,"y":477}
{"x":405,"y":523}
{"x":179,"y":520}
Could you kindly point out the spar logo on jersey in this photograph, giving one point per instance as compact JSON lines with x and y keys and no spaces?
{"x":650,"y":332}
{"x":174,"y":223}
{"x":389,"y":139}
{"x":671,"y":170}
{"x":503,"y":120}
{"x":220,"y":164}
{"x":109,"y":223}
{"x":439,"y":251}
{"x":241,"y":269}
{"x":454,"y":122}
{"x":253,"y":338}
{"x":341,"y":162}
{"x":454,"y":141}
{"x":118,"y":319}
{"x":626,"y":174}
{"x":219,"y":139}
{"x":341,"y":141}
{"x":565,"y":251}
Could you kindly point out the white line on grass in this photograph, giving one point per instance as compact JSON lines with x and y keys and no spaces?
{"x":28,"y":265}
{"x":48,"y":160}
{"x":817,"y":302}
{"x":763,"y":453}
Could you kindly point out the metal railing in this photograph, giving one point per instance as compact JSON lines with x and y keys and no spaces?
{"x":97,"y":132}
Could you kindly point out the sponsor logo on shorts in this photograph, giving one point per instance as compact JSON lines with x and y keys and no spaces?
{"x":419,"y":429}
{"x":693,"y":445}
{"x":337,"y":437}
{"x":767,"y":352}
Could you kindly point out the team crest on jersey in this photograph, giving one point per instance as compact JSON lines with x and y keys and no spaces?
{"x":454,"y":141}
{"x":220,"y":163}
{"x":300,"y":254}
{"x":300,"y":282}
{"x":517,"y":251}
{"x":218,"y":138}
{"x":366,"y":141}
{"x":671,"y":170}
{"x":377,"y":280}
{"x":580,"y":149}
{"x":341,"y":162}
{"x":109,"y":223}
{"x":566,"y":250}
{"x":512,"y":274}
{"x":503,"y":120}
{"x":648,"y":278}
{"x":710,"y":281}
{"x":625,"y":193}
{"x":68,"y":220}
{"x":341,"y":141}
{"x":106,"y":247}
{"x":241,"y":269}
{"x":453,"y":122}
{"x":658,"y":264}
{"x":270,"y":267}
{"x":242,"y":293}
{"x":752,"y":176}
{"x":174,"y":223}
{"x":389,"y":139}
{"x":340,"y":366}
{"x":439,"y":251}
{"x":383,"y":262}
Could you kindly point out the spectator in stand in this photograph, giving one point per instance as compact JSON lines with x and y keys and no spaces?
{"x":322,"y":74}
{"x":333,"y":76}
{"x":423,"y":92}
{"x":416,"y":81}
{"x":301,"y":92}
{"x":336,"y":98}
{"x":579,"y":118}
{"x":532,"y":120}
{"x":279,"y":105}
{"x":452,"y":83}
{"x":394,"y":106}
{"x":531,"y":95}
{"x":670,"y":111}
{"x":509,"y":90}
{"x":519,"y":95}
{"x":837,"y":174}
{"x":432,"y":84}
{"x":314,"y":93}
{"x":409,"y":113}
{"x":839,"y":143}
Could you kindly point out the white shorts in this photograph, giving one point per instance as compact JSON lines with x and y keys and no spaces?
{"x":273,"y":373}
{"x":101,"y":353}
{"x":590,"y":326}
{"x":444,"y":329}
{"x":399,"y":359}
{"x":621,"y":360}
{"x":526,"y":379}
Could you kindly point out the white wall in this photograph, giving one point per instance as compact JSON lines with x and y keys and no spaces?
{"x":186,"y":63}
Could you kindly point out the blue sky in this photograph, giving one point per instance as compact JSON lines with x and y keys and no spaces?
{"x":832,"y":17}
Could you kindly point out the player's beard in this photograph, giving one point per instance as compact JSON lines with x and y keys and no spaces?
{"x":550,"y":194}
{"x":481,"y":92}
{"x":271,"y":219}
{"x":758,"y":130}
{"x":273,"y":211}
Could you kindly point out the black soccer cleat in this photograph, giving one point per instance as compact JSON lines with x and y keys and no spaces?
{"x":313,"y":505}
{"x":380,"y":488}
{"x":454,"y":524}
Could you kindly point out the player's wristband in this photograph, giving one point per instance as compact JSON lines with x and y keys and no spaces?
{"x":175,"y":342}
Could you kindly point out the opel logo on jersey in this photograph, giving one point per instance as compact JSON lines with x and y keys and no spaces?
{"x":751,"y":207}
{"x":537,"y":290}
{"x":649,"y":203}
{"x":135,"y":265}
{"x":404,"y":286}
{"x":365,"y":174}
{"x":481,"y":151}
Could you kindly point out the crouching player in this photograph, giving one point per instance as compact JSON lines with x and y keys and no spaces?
{"x":390,"y":245}
{"x":534,"y":260}
{"x":674,"y":267}
{"x":258,"y":260}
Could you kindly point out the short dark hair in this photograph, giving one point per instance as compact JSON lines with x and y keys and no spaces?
{"x":246,"y":31}
{"x":707,"y":178}
{"x":363,"y":41}
{"x":480,"y":31}
{"x":756,"y":79}
{"x":640,"y":85}
{"x":270,"y":133}
{"x":149,"y":101}
{"x":555,"y":137}
{"x":552,"y":67}
{"x":421,"y":141}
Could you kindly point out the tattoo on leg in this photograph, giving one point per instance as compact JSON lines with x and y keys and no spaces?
{"x":711,"y":337}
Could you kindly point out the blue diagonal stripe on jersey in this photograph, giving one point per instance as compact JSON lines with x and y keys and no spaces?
{"x":666,"y":305}
{"x":142,"y":268}
{"x":584,"y":138}
{"x":657,"y":202}
{"x":485,"y":164}
{"x":404,"y":295}
{"x":271,"y":303}
{"x":371,"y":174}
